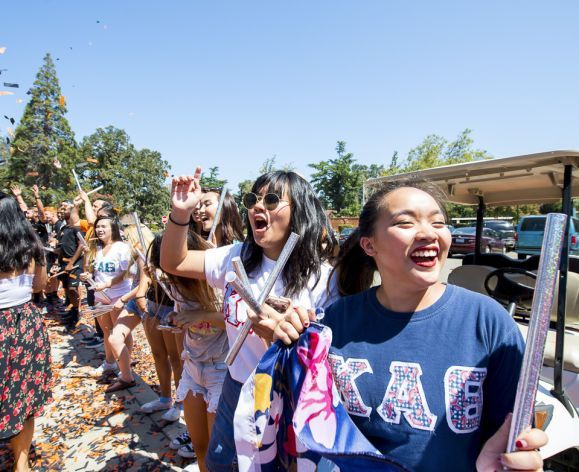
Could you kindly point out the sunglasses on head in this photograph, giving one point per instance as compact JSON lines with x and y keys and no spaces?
{"x":270,"y":200}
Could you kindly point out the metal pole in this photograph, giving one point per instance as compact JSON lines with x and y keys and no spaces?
{"x":480,"y":211}
{"x":558,"y":391}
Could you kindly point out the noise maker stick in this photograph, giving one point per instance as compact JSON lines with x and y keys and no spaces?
{"x":217,"y":216}
{"x":82,"y":240}
{"x":97,"y":310}
{"x":61,"y":272}
{"x":240,"y":271}
{"x":92,"y":285}
{"x":157,"y":279}
{"x":95,"y":189}
{"x":140,"y":233}
{"x":76,"y":180}
{"x":538,"y":326}
{"x":275,"y":273}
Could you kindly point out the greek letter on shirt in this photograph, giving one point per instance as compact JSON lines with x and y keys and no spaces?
{"x":405,"y":394}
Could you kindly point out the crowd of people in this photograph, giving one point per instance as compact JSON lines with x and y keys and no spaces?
{"x":174,"y":283}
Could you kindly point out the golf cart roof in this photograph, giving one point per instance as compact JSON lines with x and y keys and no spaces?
{"x":532,"y":178}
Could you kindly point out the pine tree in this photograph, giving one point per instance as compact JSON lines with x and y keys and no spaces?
{"x":44,"y":149}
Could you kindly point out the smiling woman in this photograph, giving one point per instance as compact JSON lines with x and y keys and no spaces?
{"x":406,"y":389}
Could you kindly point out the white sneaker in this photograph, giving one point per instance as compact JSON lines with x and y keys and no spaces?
{"x":104,"y":367}
{"x":187,"y":451}
{"x":172,"y":414}
{"x":180,"y":441}
{"x":155,"y":405}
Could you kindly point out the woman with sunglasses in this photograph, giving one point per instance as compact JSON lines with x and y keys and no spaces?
{"x":278,"y":204}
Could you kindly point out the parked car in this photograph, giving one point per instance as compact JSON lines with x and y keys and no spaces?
{"x":345,"y":234}
{"x":506,"y":231}
{"x":451,"y":228}
{"x":463,"y":241}
{"x":530,"y":233}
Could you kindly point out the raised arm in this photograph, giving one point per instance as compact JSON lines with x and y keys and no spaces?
{"x":18,"y":195}
{"x":88,"y":211}
{"x":74,"y":213}
{"x":175,"y":258}
{"x":38,"y":202}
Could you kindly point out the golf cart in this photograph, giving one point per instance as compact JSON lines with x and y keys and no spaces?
{"x":528,"y":179}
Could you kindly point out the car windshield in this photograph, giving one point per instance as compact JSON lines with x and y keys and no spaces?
{"x":533,"y":224}
{"x":469,"y":230}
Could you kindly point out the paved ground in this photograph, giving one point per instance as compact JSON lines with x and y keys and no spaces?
{"x":86,"y":430}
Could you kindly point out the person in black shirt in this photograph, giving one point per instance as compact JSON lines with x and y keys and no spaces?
{"x":66,"y":250}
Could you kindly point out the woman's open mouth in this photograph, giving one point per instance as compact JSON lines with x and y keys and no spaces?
{"x":260,"y":223}
{"x":425,"y":257}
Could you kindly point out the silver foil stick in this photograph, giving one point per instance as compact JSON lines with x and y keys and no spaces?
{"x":217,"y":215}
{"x":543,"y":298}
{"x":270,"y":282}
{"x":140,"y":233}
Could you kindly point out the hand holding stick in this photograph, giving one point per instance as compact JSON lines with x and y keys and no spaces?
{"x":538,"y":326}
{"x":92,"y":285}
{"x":62,"y":272}
{"x":275,"y":273}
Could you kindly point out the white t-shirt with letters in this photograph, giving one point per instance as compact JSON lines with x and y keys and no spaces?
{"x":116,"y":261}
{"x":218,"y":263}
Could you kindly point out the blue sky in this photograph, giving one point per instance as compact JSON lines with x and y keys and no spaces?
{"x":232,"y":83}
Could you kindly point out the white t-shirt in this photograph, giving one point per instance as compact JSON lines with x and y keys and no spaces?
{"x":218,"y":263}
{"x":110,"y":266}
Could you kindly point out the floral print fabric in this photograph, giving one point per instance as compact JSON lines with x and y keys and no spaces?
{"x":290,"y":414}
{"x":25,"y":374}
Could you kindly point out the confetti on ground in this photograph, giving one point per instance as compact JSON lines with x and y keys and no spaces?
{"x":85,"y":429}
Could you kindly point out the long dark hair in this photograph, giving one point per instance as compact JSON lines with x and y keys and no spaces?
{"x":19,"y":243}
{"x":115,"y":226}
{"x":230,"y":222}
{"x":189,"y":289}
{"x":308,"y":220}
{"x":354,"y":268}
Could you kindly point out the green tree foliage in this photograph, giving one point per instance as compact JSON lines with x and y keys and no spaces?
{"x":212,"y":180}
{"x":134,"y":180}
{"x":44,"y":142}
{"x":435,"y":151}
{"x":339,"y":181}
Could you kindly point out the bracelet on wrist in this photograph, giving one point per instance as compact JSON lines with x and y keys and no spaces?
{"x":142,"y":296}
{"x":176,"y":222}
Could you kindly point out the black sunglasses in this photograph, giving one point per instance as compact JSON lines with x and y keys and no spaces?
{"x":270,"y":200}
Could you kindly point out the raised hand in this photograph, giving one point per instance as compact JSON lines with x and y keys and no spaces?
{"x":35,"y":190}
{"x":185,"y":194}
{"x":16,"y":190}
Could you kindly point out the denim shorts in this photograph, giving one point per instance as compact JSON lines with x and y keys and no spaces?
{"x":203,"y":378}
{"x":132,"y":307}
{"x":221,"y":453}
{"x":158,"y":311}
